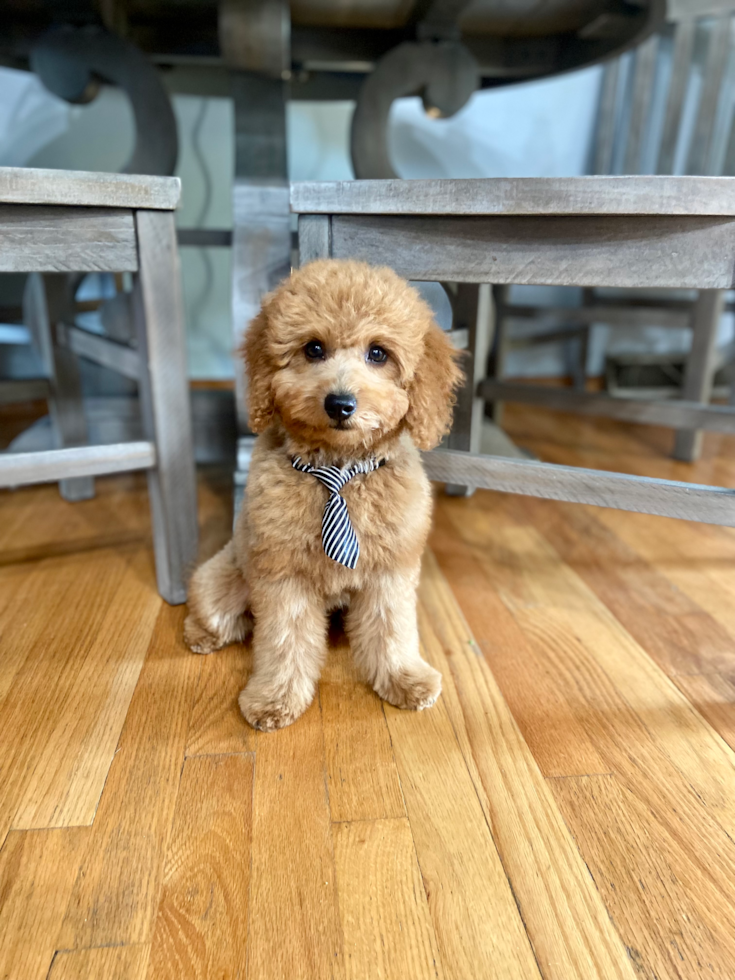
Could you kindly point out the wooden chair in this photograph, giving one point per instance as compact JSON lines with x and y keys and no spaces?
{"x":57,"y":222}
{"x":665,"y":108}
{"x":628,"y":232}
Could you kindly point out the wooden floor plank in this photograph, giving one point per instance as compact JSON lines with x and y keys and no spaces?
{"x":663,"y":714}
{"x":67,"y":782}
{"x":294,"y":915}
{"x":116,"y":893}
{"x":35,"y":716}
{"x":666,"y":909}
{"x":698,"y":564}
{"x":663,"y":753}
{"x":361,"y":770}
{"x":555,"y":734}
{"x":202,"y":923}
{"x":714,"y":698}
{"x":217,"y":725}
{"x":563,"y":913}
{"x":476,"y":921}
{"x":680,"y":636}
{"x":101,"y":963}
{"x":37,"y":872}
{"x":388,"y":933}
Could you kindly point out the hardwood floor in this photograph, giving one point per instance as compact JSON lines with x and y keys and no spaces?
{"x":566,"y":811}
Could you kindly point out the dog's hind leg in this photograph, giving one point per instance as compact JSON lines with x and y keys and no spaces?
{"x":219,"y":601}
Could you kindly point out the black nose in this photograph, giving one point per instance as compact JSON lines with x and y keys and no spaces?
{"x":339,"y":406}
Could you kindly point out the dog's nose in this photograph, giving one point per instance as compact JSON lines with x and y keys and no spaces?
{"x":339,"y":405}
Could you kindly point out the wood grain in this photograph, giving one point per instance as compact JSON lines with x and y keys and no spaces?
{"x":463,"y":875}
{"x":66,"y":783}
{"x":116,"y":893}
{"x":202,"y":923}
{"x":676,"y":632}
{"x":42,"y":239}
{"x":217,"y":725}
{"x":670,"y":916}
{"x":714,"y":698}
{"x":362,"y":777}
{"x":37,"y":872}
{"x":674,"y":413}
{"x":563,"y":914}
{"x":49,"y":465}
{"x":584,"y":638}
{"x":613,"y":250}
{"x":294,"y":916}
{"x":101,"y":963}
{"x":29,"y":185}
{"x":627,"y":195}
{"x":620,"y":491}
{"x":388,"y":932}
{"x":34,"y":715}
{"x":553,"y":730}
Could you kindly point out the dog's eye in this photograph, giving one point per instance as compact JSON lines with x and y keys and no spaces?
{"x":377,"y":355}
{"x":314,"y":350}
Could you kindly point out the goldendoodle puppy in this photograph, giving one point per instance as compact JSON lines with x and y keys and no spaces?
{"x":349,"y":377}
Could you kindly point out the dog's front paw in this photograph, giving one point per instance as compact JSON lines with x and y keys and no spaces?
{"x":199,"y":639}
{"x":269,"y":713}
{"x":414,"y":688}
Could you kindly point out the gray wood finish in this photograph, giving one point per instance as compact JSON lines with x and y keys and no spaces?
{"x":165,"y":402}
{"x":46,"y":300}
{"x":473,"y":313}
{"x":643,"y":74}
{"x":699,"y":372}
{"x":700,"y":157}
{"x":606,"y":116}
{"x":261,"y":237}
{"x":445,"y":74}
{"x":71,"y":61}
{"x":23,"y":390}
{"x":715,"y":418}
{"x":617,"y":312}
{"x":520,"y":196}
{"x":680,"y":65}
{"x":610,"y":251}
{"x":66,"y":239}
{"x":81,"y":462}
{"x":695,"y":250}
{"x":254,"y":35}
{"x":315,"y":237}
{"x":687,"y":501}
{"x":110,"y":354}
{"x":204,"y":237}
{"x":25,"y":185}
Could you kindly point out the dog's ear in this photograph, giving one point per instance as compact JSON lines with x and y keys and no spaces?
{"x":431,"y":392}
{"x":261,"y":406}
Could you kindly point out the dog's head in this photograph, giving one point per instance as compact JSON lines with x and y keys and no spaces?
{"x":345,"y":354}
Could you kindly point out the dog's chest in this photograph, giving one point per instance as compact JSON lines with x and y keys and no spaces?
{"x":383,"y":508}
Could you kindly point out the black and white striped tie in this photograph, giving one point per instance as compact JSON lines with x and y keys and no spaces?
{"x":338,"y":535}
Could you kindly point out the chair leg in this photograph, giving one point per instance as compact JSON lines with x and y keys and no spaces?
{"x":165,"y":403}
{"x":699,"y":372}
{"x":45,"y":303}
{"x":473,"y":310}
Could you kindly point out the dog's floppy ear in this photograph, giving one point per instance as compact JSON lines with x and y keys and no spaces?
{"x":431,"y":392}
{"x":261,"y":406}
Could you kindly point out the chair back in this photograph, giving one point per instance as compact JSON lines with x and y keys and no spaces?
{"x":667,"y":106}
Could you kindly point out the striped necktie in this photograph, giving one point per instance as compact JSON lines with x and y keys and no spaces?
{"x":338,"y":535}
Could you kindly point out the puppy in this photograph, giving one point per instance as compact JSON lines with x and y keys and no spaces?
{"x":349,"y":376}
